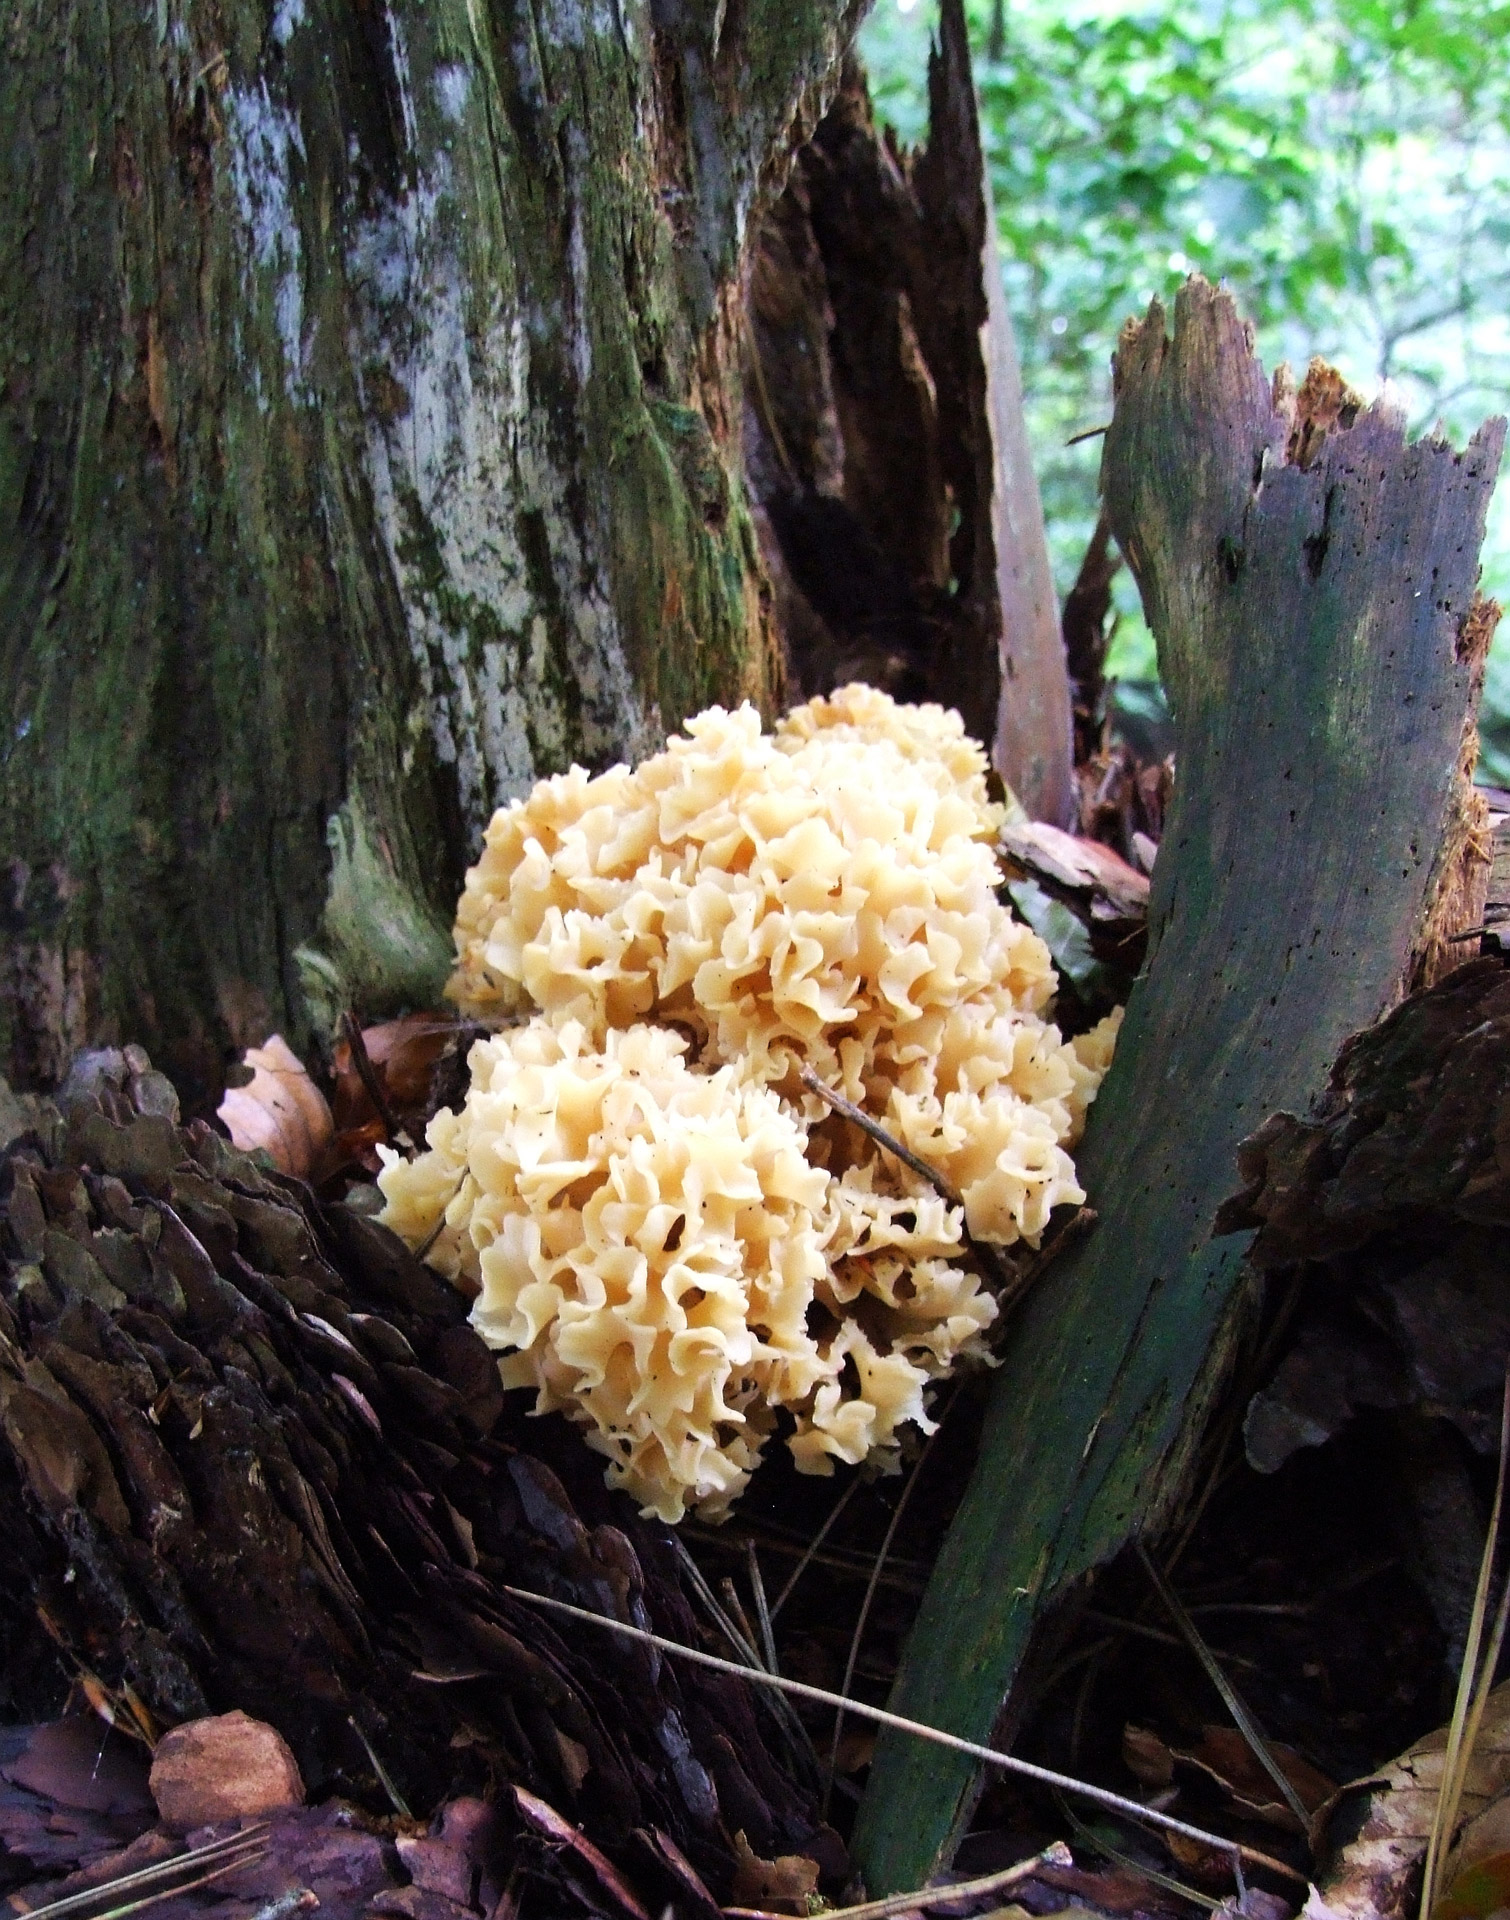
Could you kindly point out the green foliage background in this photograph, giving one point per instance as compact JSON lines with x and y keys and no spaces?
{"x":1343,"y":164}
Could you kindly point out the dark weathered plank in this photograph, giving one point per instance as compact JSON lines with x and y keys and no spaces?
{"x":1313,"y":631}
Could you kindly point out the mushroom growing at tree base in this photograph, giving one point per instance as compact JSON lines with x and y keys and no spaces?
{"x":667,"y":1235}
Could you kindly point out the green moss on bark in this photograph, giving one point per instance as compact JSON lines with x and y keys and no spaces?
{"x":367,"y":448}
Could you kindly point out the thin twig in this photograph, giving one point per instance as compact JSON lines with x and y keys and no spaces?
{"x":862,"y":1710}
{"x":864,"y":1614}
{"x":1109,"y":1852}
{"x":1082,"y":1702}
{"x":1080,"y":1222}
{"x":1058,"y":1855}
{"x":1242,"y":1717}
{"x":815,"y":1543}
{"x":440,"y":1220}
{"x":762,"y":1611}
{"x":945,"y":1189}
{"x":368,"y":1074}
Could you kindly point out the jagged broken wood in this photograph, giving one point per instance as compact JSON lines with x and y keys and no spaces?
{"x":885,"y":446}
{"x":1310,"y":579}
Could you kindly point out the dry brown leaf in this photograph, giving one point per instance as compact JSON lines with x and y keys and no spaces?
{"x":1078,"y":863}
{"x":1146,"y":1757}
{"x":857,"y":1748}
{"x":1373,"y":1877}
{"x":1481,"y":1839}
{"x":402,"y":1054}
{"x":782,"y":1885}
{"x":1223,"y":1755}
{"x":280,"y":1110}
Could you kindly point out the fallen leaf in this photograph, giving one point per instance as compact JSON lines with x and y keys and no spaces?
{"x":1200,"y":1863}
{"x":1480,"y":1839}
{"x":777,"y":1886}
{"x":79,"y":1763}
{"x":1224,"y":1756}
{"x":1146,"y":1757}
{"x":857,"y":1748}
{"x":448,"y":1859}
{"x":1374,"y":1875}
{"x":402,"y":1054}
{"x":1477,"y":1891}
{"x":280,"y":1110}
{"x":1085,"y":865}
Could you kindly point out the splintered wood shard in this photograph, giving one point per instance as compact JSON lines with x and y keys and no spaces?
{"x":1309,"y":576}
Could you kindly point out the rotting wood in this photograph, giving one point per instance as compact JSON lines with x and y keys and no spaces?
{"x":1033,"y":749}
{"x":1310,"y":622}
{"x":369,"y":446}
{"x":886,"y":443}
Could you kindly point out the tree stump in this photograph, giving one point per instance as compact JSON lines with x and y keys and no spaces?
{"x":253,"y":1457}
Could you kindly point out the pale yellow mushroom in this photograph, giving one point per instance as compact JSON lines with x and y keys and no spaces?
{"x":670,"y":1238}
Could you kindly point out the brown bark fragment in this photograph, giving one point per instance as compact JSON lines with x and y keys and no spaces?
{"x":1460,"y":893}
{"x":228,"y":1767}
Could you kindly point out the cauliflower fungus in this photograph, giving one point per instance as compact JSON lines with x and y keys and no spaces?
{"x":667,"y":1236}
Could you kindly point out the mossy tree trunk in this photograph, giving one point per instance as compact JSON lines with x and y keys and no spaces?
{"x":368,"y":448}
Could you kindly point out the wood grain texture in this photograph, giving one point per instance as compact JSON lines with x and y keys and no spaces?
{"x":368,"y":448}
{"x":1309,"y":621}
{"x":1032,"y":750}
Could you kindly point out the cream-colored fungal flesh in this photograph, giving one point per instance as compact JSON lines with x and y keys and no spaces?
{"x":669,"y":1237}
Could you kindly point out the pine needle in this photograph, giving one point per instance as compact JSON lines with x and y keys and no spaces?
{"x":864,"y":1615}
{"x":395,"y":1799}
{"x":762,"y":1611}
{"x":816,"y":1542}
{"x":1475,"y":1682}
{"x":1242,"y":1717}
{"x":161,"y":1880}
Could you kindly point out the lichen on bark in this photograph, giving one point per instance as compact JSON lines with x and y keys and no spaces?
{"x":368,"y":448}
